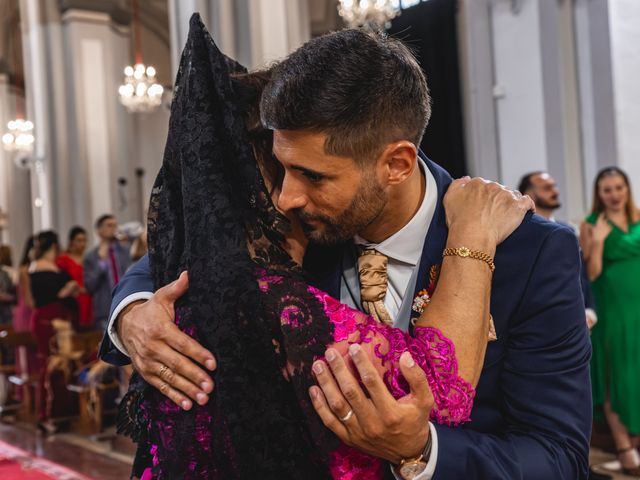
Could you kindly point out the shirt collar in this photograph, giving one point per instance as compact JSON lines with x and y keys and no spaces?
{"x":406,"y":244}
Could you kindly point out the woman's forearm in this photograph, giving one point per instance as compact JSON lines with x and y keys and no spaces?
{"x":594,"y":262}
{"x":459,"y":307}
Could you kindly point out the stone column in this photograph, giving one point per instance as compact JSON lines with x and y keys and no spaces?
{"x":624,"y":22}
{"x":254,"y":32}
{"x":597,"y":118}
{"x":15,"y":183}
{"x":37,"y":111}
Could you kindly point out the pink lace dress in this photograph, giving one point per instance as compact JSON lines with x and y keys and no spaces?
{"x":431,"y":350}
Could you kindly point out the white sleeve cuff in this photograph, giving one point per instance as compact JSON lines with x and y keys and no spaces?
{"x":592,"y":317}
{"x":111,"y":328}
{"x":433,"y":458}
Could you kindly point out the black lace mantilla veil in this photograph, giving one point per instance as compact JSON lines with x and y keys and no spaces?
{"x":208,"y":205}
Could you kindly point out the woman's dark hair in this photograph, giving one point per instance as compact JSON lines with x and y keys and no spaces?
{"x":74,"y":232}
{"x":5,"y":256}
{"x":44,"y":242}
{"x":598,"y":205}
{"x":249,"y":88}
{"x":28,"y":251}
{"x":362,"y":89}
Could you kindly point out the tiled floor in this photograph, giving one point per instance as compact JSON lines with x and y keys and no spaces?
{"x":84,"y":456}
{"x":598,"y":458}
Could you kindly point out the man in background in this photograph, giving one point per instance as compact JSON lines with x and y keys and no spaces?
{"x":104,"y":266}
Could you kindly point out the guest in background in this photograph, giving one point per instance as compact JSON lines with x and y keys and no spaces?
{"x":72,"y":263}
{"x":610,"y":239}
{"x":104,"y":265}
{"x":544,"y":191}
{"x":7,"y":285}
{"x":53,"y":294}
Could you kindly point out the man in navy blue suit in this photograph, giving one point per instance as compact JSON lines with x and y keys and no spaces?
{"x":347,"y":111}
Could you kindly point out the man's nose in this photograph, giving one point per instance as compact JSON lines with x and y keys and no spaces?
{"x":292,"y":195}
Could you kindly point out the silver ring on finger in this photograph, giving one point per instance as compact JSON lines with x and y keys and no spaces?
{"x":347,"y":416}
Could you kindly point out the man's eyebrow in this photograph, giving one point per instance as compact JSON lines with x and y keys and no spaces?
{"x":307,"y":170}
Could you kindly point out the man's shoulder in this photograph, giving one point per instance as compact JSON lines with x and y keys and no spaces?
{"x":91,"y":255}
{"x":534,"y":231}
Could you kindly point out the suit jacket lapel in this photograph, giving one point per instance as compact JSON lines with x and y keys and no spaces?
{"x":436,"y":237}
{"x":323,"y":266}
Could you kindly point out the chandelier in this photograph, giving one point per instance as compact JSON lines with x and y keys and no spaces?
{"x":20,"y":137}
{"x":139,"y":92}
{"x":371,"y":13}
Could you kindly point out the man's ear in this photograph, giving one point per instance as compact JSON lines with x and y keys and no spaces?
{"x":398,"y":161}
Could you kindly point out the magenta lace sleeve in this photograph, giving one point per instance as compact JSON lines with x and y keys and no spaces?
{"x":429,"y":347}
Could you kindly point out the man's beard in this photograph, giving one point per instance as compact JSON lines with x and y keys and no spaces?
{"x":365,"y":207}
{"x":550,"y":205}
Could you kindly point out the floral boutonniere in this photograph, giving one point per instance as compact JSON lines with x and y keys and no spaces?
{"x":424,"y":296}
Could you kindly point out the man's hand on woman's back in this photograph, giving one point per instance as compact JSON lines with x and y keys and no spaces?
{"x":166,"y":357}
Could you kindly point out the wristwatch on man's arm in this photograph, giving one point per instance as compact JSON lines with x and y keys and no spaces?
{"x":411,"y":468}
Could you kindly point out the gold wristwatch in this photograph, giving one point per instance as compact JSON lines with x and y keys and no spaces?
{"x":464,"y":252}
{"x":410,"y":468}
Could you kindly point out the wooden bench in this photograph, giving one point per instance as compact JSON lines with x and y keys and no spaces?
{"x":10,"y":340}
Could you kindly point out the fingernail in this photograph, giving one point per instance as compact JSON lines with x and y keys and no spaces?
{"x":330,"y":354}
{"x":318,"y":368}
{"x":185,"y":404}
{"x":354,"y":349}
{"x":407,"y":360}
{"x":210,"y":364}
{"x":313,"y":391}
{"x":205,"y":386}
{"x":201,"y":398}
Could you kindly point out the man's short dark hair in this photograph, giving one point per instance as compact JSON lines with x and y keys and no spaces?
{"x":103,"y":218}
{"x":525,"y":181}
{"x":362,"y":89}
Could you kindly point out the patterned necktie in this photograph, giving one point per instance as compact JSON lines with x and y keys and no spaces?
{"x":114,"y":265}
{"x":372,"y":270}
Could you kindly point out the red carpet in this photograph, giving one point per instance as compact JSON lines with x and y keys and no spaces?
{"x":17,"y":464}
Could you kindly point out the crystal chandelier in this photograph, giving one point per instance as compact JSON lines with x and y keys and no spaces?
{"x":20,"y":137}
{"x":140,"y":92}
{"x":372,"y":13}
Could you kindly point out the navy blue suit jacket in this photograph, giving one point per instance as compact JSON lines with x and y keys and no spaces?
{"x":532,"y":413}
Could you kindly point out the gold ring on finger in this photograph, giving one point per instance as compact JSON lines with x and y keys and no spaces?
{"x":163,"y":369}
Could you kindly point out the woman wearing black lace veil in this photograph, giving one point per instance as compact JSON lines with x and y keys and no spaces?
{"x":248,"y":303}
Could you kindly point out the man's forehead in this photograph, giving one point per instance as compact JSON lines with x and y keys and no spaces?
{"x":544,"y":178}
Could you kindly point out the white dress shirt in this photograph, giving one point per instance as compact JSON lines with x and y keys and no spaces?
{"x":403,"y":249}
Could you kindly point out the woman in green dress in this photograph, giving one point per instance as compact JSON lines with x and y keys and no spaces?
{"x":610,"y":240}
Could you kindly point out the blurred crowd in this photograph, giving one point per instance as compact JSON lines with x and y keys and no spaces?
{"x":60,"y":294}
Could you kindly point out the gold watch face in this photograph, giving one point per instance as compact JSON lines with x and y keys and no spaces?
{"x":464,"y":251}
{"x":410,"y":470}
